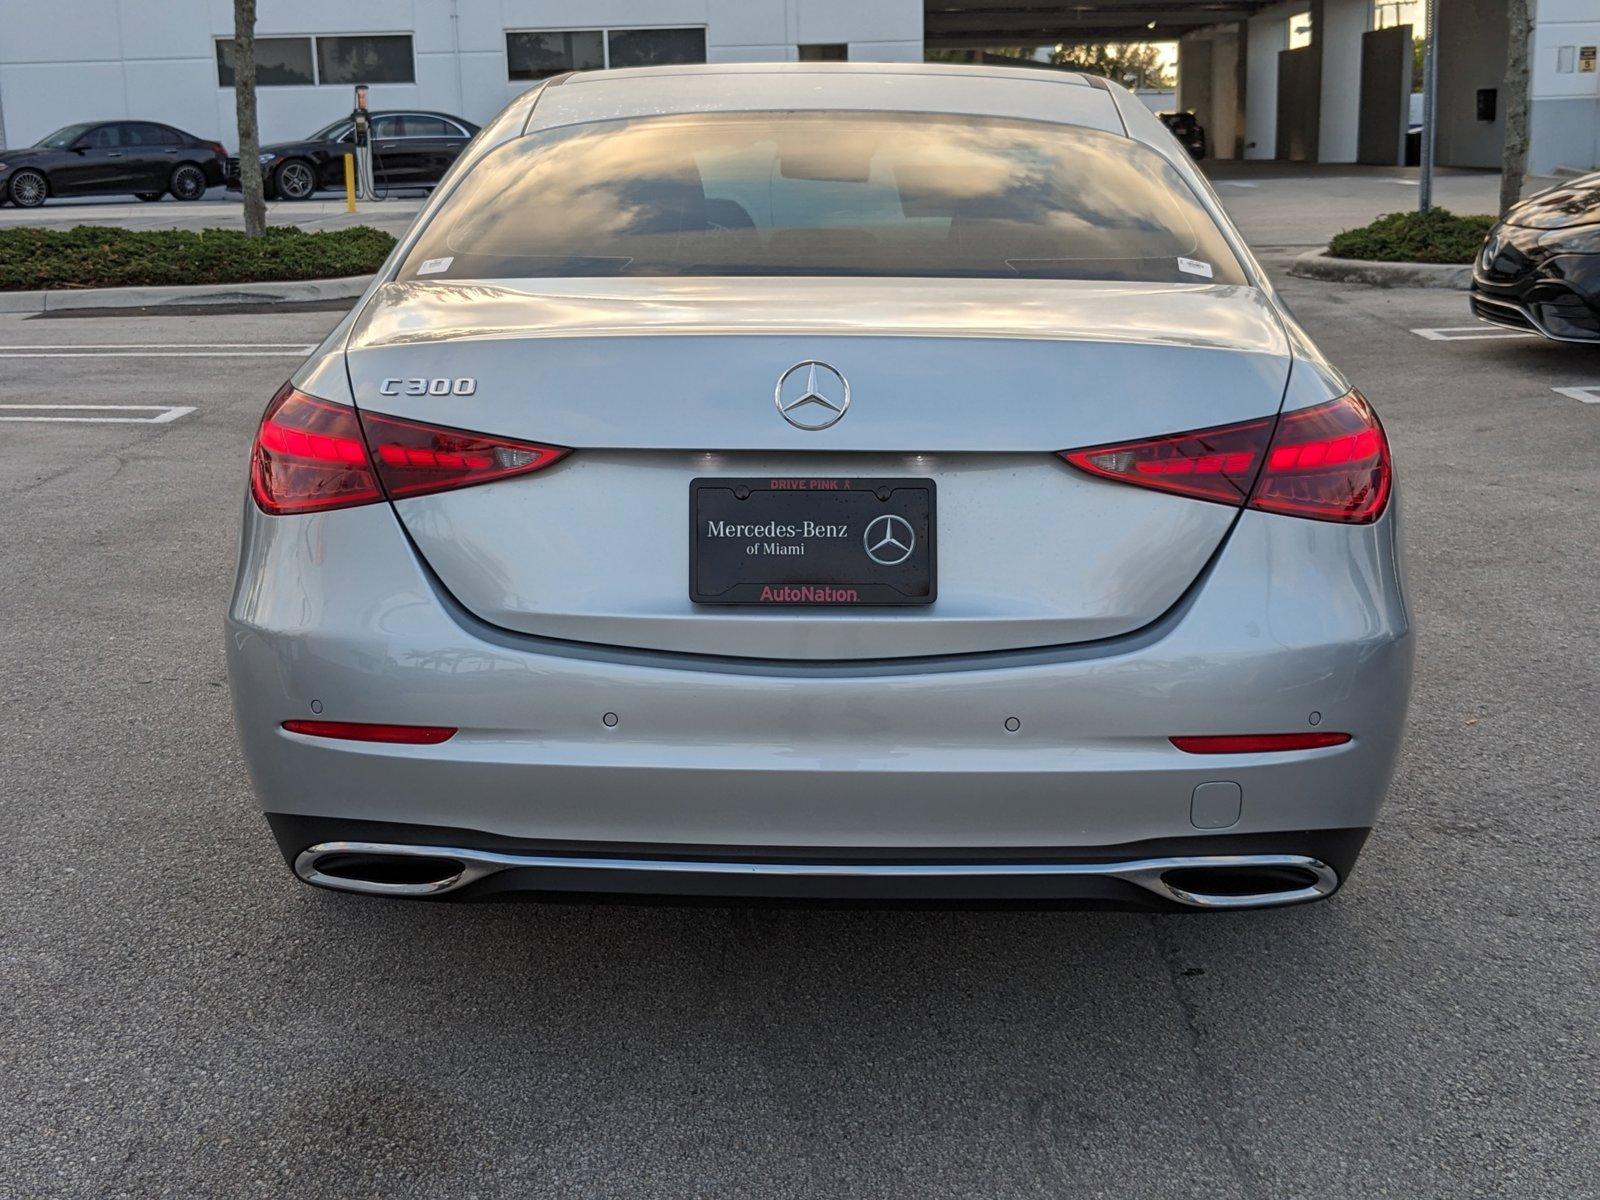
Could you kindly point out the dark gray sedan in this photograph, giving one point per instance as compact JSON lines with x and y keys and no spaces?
{"x":98,"y":158}
{"x":410,"y":149}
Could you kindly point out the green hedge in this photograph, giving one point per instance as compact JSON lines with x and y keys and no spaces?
{"x":1437,"y":236}
{"x":92,"y":256}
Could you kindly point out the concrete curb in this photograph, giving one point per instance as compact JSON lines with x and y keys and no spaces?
{"x":1316,"y":264}
{"x":299,"y":290}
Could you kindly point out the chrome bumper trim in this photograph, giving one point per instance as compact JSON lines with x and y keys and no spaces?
{"x":1148,"y":873}
{"x":1517,"y":310}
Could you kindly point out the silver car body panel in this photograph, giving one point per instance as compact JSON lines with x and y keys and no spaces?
{"x":1024,"y":709}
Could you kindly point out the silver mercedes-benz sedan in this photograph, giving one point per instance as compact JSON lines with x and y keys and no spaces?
{"x":854,"y":481}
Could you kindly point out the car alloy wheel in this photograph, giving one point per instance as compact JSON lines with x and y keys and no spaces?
{"x":295,"y":181}
{"x":28,"y":189}
{"x":188,"y":182}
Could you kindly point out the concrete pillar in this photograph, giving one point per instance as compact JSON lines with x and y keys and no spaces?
{"x":1267,"y":35}
{"x":1472,"y":59}
{"x":1339,"y":29}
{"x":1195,"y":77}
{"x":1223,"y":131}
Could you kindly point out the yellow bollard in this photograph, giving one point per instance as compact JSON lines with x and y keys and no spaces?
{"x":349,"y":183}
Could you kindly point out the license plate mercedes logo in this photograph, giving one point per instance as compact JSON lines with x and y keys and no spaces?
{"x":889,"y":539}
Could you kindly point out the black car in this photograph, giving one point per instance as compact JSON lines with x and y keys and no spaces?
{"x":96,"y":158}
{"x":409,"y":149}
{"x":1539,"y":268}
{"x":1187,"y":130}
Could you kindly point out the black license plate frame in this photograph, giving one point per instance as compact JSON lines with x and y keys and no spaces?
{"x":776,"y":541}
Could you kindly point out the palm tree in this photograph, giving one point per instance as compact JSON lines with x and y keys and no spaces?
{"x":1514,"y":156}
{"x":244,"y":97}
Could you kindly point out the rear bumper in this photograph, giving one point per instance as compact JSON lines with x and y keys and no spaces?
{"x":815,"y":762}
{"x":1215,"y":873}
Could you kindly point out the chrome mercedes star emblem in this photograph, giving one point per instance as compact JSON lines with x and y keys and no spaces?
{"x":889,"y":540}
{"x":812,"y":395}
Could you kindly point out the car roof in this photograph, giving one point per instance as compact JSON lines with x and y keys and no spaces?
{"x":1043,"y":95}
{"x":417,"y":112}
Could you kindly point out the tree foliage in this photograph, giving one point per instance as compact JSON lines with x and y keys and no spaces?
{"x":1112,"y":60}
{"x":1119,"y":60}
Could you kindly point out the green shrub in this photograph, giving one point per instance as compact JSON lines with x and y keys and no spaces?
{"x":92,"y":256}
{"x":1437,"y":236}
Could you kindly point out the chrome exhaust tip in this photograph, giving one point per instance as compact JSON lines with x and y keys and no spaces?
{"x":389,"y":870}
{"x":1241,"y":880}
{"x":1213,"y":881}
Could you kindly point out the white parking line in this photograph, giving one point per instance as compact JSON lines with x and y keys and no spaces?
{"x":155,"y":354}
{"x":1470,"y":333}
{"x":1584,"y":395}
{"x":304,"y":349}
{"x":159,"y":350}
{"x":163,"y":413}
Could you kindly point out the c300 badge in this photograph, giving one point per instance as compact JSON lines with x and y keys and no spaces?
{"x":464,"y":386}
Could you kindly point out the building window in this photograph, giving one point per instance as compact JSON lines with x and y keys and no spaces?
{"x":280,"y":62}
{"x":654,"y":47}
{"x":365,"y":58}
{"x":825,"y":52}
{"x":346,"y":59}
{"x":539,"y":54}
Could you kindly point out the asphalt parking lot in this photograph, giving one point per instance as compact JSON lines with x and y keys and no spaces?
{"x":180,"y":1017}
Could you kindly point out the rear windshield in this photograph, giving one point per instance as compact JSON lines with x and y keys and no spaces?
{"x":824,"y":193}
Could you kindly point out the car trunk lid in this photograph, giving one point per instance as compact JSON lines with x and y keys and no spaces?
{"x":973,"y":384}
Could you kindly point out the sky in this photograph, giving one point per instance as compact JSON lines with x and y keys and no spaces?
{"x":1402,"y":12}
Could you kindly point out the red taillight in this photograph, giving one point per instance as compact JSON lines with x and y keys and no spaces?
{"x":1328,"y":463}
{"x":312,"y":455}
{"x":414,"y":459}
{"x":1208,"y":464}
{"x":1257,"y":743}
{"x":363,"y":731}
{"x":309,"y":456}
{"x":219,"y":150}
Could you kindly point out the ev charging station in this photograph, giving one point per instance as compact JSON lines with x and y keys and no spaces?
{"x":359,"y":180}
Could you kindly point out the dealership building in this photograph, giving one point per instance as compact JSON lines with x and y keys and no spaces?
{"x":1303,"y":80}
{"x":170,"y":60}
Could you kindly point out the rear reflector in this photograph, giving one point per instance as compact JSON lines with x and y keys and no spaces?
{"x":1328,"y":463}
{"x":1257,"y":743}
{"x":360,"y":731}
{"x":311,"y":455}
